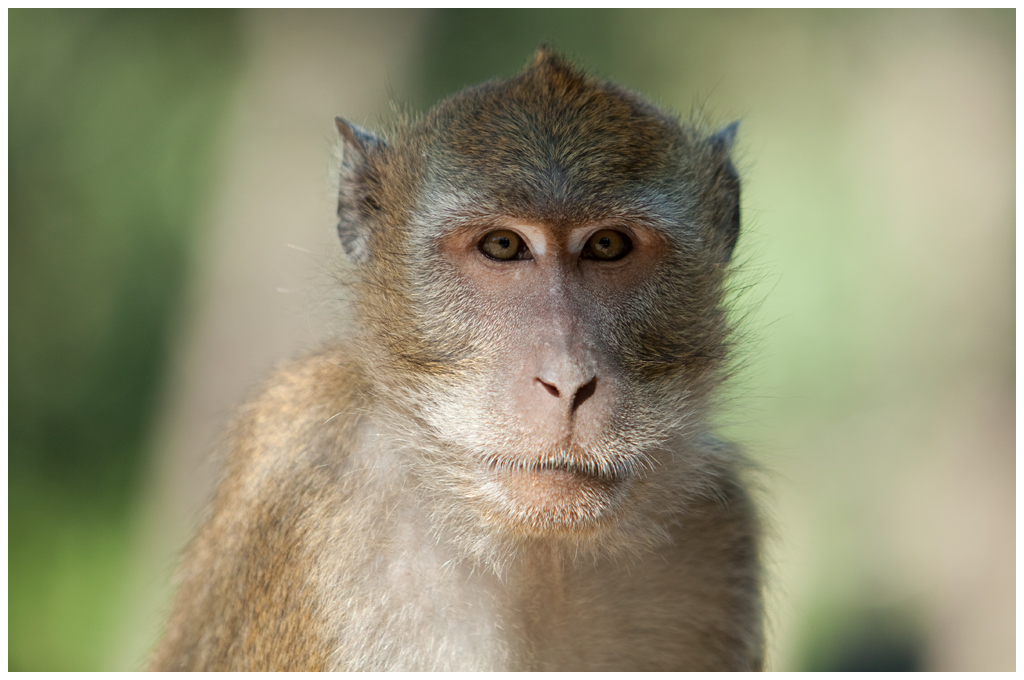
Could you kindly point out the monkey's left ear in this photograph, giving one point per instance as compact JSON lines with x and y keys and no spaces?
{"x":727,"y":182}
{"x":358,"y":186}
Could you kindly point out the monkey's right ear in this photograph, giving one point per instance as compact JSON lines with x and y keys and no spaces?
{"x":358,"y":185}
{"x":728,"y":183}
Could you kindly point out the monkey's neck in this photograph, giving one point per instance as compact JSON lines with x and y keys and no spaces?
{"x":540,"y":598}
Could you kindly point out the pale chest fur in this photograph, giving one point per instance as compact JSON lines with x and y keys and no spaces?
{"x":413,"y":604}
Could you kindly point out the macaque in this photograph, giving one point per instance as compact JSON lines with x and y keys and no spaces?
{"x":507,"y":463}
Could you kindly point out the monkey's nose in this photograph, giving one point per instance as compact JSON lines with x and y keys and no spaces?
{"x":577,"y":393}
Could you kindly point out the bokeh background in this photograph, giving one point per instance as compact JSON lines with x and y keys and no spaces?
{"x":170,"y":239}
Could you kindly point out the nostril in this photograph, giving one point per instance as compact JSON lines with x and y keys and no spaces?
{"x":552,"y":390}
{"x":584,"y":393}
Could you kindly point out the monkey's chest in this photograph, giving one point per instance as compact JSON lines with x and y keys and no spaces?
{"x":431,"y":614}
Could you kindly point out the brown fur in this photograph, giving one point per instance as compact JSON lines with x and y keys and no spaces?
{"x":412,"y":499}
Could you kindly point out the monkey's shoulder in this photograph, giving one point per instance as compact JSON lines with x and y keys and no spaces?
{"x":714,"y":562}
{"x":306,"y":408}
{"x":246,"y":600}
{"x":722,"y":516}
{"x":290,"y":444}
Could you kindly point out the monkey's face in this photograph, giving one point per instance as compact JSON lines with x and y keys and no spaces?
{"x":565,"y":374}
{"x":554,"y":396}
{"x":540,"y":267}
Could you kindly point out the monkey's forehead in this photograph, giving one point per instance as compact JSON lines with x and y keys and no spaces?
{"x":531,"y":125}
{"x":557,"y":146}
{"x":527,"y":155}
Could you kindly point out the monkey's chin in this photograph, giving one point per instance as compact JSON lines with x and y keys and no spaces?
{"x":545,"y":500}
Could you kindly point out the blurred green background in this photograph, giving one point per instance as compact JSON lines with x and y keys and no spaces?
{"x":170,"y":238}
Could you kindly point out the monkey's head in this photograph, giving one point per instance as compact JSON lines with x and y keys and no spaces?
{"x":539,"y":265}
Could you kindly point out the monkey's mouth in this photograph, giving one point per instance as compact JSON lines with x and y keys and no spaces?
{"x":562,"y":465}
{"x":556,"y":494}
{"x":568,"y":479}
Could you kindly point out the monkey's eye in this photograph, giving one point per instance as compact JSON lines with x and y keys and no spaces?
{"x":607,"y":245}
{"x":504,"y":245}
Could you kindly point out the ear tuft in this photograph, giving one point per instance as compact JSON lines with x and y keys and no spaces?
{"x":357,"y":188}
